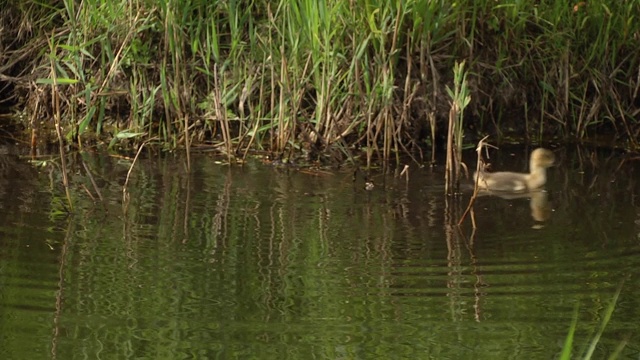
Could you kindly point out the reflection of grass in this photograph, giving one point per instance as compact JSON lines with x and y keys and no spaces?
{"x":568,"y":343}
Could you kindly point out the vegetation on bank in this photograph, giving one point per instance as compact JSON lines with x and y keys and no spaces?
{"x":319,"y":76}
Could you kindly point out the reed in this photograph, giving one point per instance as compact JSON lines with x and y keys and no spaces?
{"x":310,"y":76}
{"x":460,"y":98}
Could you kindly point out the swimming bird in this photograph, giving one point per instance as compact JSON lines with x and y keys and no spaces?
{"x":508,"y":181}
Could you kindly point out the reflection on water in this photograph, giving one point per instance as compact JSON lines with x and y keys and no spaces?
{"x":265,"y":262}
{"x":538,"y":203}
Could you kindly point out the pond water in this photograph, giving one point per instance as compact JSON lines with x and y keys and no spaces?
{"x":261,"y":262}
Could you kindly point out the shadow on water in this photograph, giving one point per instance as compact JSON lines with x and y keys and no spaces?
{"x":267,"y":262}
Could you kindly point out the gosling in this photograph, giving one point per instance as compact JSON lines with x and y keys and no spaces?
{"x":507,"y":181}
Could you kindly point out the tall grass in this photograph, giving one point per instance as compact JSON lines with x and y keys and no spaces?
{"x":324,"y":77}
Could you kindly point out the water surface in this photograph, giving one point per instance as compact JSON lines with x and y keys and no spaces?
{"x":261,"y":262}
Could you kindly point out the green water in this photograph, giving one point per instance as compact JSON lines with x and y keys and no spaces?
{"x":259,"y":262}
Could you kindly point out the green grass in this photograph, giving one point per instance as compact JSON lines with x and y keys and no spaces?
{"x":588,"y":352}
{"x":315,"y":75}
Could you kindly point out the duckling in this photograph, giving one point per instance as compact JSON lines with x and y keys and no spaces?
{"x":540,"y":160}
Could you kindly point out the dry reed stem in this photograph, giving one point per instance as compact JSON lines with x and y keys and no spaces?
{"x":125,"y":193}
{"x":55,"y":99}
{"x":187,"y":141}
{"x":93,"y":182}
{"x":479,"y":165}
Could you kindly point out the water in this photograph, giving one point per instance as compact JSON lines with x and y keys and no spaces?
{"x":260,"y":262}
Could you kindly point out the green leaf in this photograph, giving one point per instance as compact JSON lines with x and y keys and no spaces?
{"x":126,"y":134}
{"x":58,"y":81}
